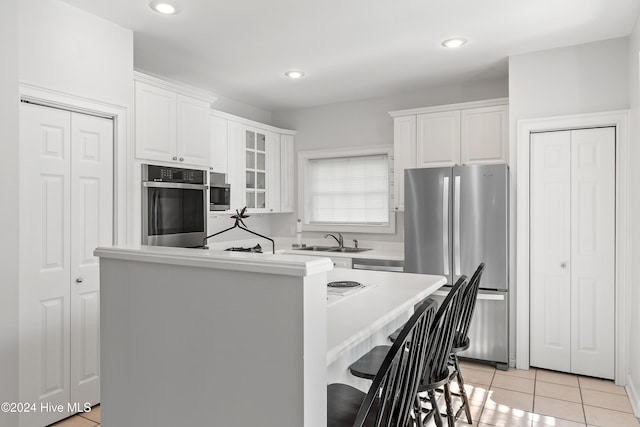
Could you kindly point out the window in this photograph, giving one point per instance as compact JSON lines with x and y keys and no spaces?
{"x":346,"y":190}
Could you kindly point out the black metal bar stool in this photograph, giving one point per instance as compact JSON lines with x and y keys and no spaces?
{"x":435,"y":372}
{"x":461,"y":340}
{"x":391,"y":397}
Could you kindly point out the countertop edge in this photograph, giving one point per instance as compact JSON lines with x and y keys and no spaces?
{"x":290,"y":265}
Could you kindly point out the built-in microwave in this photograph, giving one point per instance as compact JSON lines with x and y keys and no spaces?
{"x":219,"y":192}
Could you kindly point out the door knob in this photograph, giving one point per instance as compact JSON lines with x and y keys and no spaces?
{"x":79,"y":280}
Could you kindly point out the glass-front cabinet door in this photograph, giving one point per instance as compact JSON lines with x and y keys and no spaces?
{"x":255,"y":169}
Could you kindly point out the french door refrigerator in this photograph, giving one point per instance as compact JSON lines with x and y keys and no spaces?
{"x":455,"y":218}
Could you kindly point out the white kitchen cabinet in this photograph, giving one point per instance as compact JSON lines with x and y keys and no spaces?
{"x":259,"y":163}
{"x":66,"y":182}
{"x":404,"y":155}
{"x":193,"y":142}
{"x":286,"y":173}
{"x":171,"y":127}
{"x":219,"y":149}
{"x":438,"y":139}
{"x":572,"y":255}
{"x":448,"y":135}
{"x":261,"y":170}
{"x":235,"y":164}
{"x":484,"y":135}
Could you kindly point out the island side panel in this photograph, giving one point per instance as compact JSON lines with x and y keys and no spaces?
{"x":315,"y":350}
{"x":198,"y":346}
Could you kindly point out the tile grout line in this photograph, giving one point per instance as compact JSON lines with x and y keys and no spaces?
{"x":584,"y":411}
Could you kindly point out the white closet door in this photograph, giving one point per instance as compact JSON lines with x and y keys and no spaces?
{"x":92,"y":219}
{"x":45,"y":271}
{"x":572,"y":252}
{"x":66,"y":211}
{"x":593,"y":251}
{"x":550,"y":251}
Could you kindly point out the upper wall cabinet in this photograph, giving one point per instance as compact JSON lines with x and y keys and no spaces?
{"x":287,"y":199}
{"x":171,"y":126}
{"x":447,"y":135}
{"x":219,"y":150}
{"x":258,"y":162}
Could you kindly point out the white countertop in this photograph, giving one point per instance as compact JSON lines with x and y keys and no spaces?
{"x":355,"y":317}
{"x":279,"y":263}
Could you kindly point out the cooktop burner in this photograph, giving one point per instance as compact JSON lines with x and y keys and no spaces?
{"x":344,"y":284}
{"x":257,"y":249}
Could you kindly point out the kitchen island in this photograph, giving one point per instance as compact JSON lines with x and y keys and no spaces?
{"x":192,"y":336}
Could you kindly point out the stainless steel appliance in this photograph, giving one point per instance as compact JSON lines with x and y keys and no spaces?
{"x":377,"y":264}
{"x":174,"y":206}
{"x":219,"y":192}
{"x":456,"y":218}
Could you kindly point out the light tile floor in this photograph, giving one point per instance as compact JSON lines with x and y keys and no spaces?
{"x":540,"y":398}
{"x":533,"y":398}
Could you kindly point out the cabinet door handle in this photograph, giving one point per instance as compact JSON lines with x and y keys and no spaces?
{"x":79,"y":280}
{"x":175,"y":157}
{"x":182,"y":159}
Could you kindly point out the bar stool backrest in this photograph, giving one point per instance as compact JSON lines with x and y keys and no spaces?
{"x":469,"y":297}
{"x":391,"y":395}
{"x":442,"y":334}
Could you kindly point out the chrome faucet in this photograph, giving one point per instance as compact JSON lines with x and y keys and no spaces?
{"x":338,"y":239}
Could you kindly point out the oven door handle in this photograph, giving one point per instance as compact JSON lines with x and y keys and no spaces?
{"x":174,"y":185}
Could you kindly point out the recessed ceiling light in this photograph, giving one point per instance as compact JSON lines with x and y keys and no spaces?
{"x":294,"y":74}
{"x":453,"y":43}
{"x":164,"y":8}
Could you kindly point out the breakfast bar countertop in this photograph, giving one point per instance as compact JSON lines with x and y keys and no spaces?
{"x":353,"y":318}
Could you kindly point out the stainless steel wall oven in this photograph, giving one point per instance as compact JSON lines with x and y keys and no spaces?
{"x":174,"y":206}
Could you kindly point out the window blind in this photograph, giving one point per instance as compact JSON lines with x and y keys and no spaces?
{"x":349,"y":190}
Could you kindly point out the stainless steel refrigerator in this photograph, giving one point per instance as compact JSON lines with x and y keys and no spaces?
{"x":456,"y":218}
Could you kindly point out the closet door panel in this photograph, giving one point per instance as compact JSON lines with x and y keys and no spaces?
{"x":550,"y":331}
{"x":593,"y":251}
{"x":92,"y":216}
{"x":44,"y":250}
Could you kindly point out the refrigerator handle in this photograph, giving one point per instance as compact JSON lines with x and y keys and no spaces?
{"x":456,"y":226}
{"x":445,"y":225}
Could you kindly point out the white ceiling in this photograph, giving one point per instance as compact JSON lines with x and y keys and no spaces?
{"x":349,"y":49}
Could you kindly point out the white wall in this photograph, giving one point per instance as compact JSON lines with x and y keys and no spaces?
{"x":9,"y":209}
{"x":68,"y":50}
{"x":367,"y":122}
{"x":243,"y":110}
{"x":633,"y":379}
{"x":578,"y":79}
{"x":572,"y":80}
{"x":52,"y":45}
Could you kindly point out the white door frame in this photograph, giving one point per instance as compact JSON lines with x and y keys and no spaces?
{"x":619,"y":119}
{"x":121,"y":134}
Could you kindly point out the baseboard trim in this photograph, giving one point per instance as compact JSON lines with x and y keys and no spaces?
{"x":634,"y":397}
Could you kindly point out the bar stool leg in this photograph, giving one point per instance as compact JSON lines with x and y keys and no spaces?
{"x":447,"y":397}
{"x":435,"y":410}
{"x":463,"y":392}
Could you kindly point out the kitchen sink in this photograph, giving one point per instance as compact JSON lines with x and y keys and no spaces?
{"x":331,"y":249}
{"x":350,"y":249}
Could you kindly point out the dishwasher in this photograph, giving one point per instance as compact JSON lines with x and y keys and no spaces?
{"x":378,"y":264}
